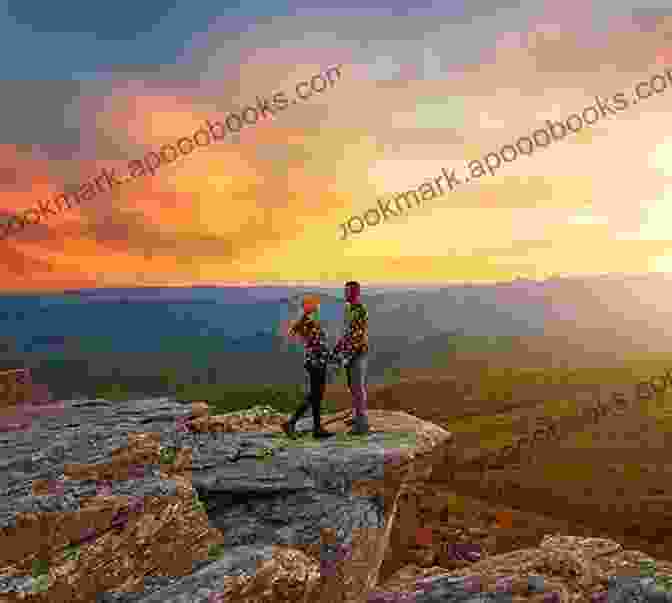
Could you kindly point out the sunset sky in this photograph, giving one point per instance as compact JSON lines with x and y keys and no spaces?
{"x":421,"y":89}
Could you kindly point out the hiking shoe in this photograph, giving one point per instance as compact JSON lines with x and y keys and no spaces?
{"x":289,"y":430}
{"x":322,"y":433}
{"x":360,"y":426}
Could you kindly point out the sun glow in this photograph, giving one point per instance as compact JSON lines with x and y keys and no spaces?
{"x":661,"y":263}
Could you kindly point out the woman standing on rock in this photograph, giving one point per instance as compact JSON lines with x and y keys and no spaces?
{"x":316,"y":355}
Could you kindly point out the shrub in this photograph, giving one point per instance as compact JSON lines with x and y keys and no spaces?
{"x":197,"y":504}
{"x":41,"y":583}
{"x":40,"y":567}
{"x":168,"y":455}
{"x":215,"y":551}
{"x":72,"y":552}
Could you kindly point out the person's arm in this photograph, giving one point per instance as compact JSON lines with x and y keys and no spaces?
{"x":356,"y":331}
{"x":295,"y":330}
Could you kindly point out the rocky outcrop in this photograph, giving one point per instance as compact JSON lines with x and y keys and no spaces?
{"x":91,"y":504}
{"x":157,"y":501}
{"x":564,"y":569}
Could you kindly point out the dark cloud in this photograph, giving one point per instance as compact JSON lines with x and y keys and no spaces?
{"x":34,"y":113}
{"x":105,"y":21}
{"x":649,"y":19}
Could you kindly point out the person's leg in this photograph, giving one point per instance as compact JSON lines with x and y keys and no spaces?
{"x":359,"y":394}
{"x":348,"y":374}
{"x":358,"y":387}
{"x":364,"y":368}
{"x":318,"y":379}
{"x":288,"y":427}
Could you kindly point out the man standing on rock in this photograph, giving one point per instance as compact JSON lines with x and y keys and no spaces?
{"x":352,"y":351}
{"x":316,"y":355}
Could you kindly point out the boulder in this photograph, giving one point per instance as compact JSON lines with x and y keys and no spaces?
{"x":143,"y":501}
{"x":565,"y":569}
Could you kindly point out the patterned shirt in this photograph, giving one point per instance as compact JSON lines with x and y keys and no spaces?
{"x":355,"y":340}
{"x":316,"y":351}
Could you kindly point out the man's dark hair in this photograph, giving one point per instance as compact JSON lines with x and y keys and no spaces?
{"x":354,"y":284}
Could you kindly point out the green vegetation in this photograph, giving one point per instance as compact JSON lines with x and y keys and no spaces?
{"x":41,"y":583}
{"x":501,"y":383}
{"x":40,"y":575}
{"x":265,"y":454}
{"x":648,"y":570}
{"x":40,"y":567}
{"x":168,"y":455}
{"x":215,"y":551}
{"x":391,"y":375}
{"x":198,"y":504}
{"x":223,"y":398}
{"x":495,"y":431}
{"x":72,"y":552}
{"x":113,"y":392}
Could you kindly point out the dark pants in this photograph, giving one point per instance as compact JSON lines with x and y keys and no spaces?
{"x":317,"y":378}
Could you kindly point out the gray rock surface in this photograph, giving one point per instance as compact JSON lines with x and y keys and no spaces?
{"x":451,"y":589}
{"x":256,"y":489}
{"x":257,"y":499}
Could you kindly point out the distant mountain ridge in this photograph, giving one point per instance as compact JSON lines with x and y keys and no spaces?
{"x":229,"y":333}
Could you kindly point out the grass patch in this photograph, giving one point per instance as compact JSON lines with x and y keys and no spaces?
{"x":40,"y":567}
{"x":215,"y":551}
{"x":168,"y":455}
{"x":495,"y":431}
{"x":40,"y":575}
{"x":197,"y":504}
{"x":265,"y":454}
{"x":41,"y":583}
{"x":72,"y":552}
{"x":227,"y":398}
{"x":392,"y":376}
{"x":648,"y":569}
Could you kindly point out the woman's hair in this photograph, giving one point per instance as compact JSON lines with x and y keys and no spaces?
{"x":310,"y":302}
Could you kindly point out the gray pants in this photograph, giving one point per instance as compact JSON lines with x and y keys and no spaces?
{"x":356,"y":373}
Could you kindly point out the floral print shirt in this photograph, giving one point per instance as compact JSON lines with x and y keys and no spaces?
{"x":355,"y":340}
{"x":316,"y":351}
